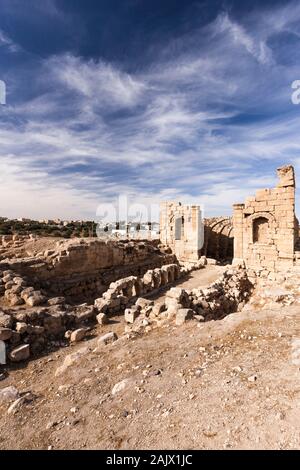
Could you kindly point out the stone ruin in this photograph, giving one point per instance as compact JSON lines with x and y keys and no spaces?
{"x":218,"y":238}
{"x":181,"y":229}
{"x":265,"y":227}
{"x":53,"y":295}
{"x":189,"y":236}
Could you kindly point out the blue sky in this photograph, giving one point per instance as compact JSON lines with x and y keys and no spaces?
{"x":155,"y":99}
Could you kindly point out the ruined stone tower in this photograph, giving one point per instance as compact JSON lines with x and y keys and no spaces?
{"x":265,"y":226}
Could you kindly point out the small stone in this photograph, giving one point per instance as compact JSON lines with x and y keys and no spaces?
{"x":5,"y":320}
{"x":17,"y":404}
{"x":119,"y":387}
{"x":15,"y":300}
{"x":35,"y":299}
{"x":252,"y":378}
{"x":21,"y":328}
{"x":68,"y":334}
{"x":70,"y":360}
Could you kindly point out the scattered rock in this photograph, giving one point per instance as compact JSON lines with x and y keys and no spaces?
{"x":78,"y":335}
{"x":17,"y":404}
{"x":102,"y":318}
{"x":71,"y":359}
{"x":252,"y":378}
{"x":56,"y":301}
{"x":183,"y":315}
{"x":131,"y":314}
{"x":9,"y":394}
{"x":5,"y":320}
{"x":21,"y":327}
{"x":119,"y":387}
{"x":35,"y":299}
{"x":108,"y":338}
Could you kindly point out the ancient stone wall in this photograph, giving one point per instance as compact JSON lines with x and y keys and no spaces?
{"x":86,"y":267}
{"x":265,"y":226}
{"x":182,"y":229}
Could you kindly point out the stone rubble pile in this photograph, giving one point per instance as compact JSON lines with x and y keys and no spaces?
{"x":16,"y":290}
{"x":8,"y":242}
{"x":275,"y":290}
{"x":27,"y":331}
{"x":81,"y":267}
{"x":122,"y":293}
{"x":227,"y":295}
{"x":31,"y":321}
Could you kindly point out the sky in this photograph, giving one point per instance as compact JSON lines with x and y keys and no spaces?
{"x":156,"y":100}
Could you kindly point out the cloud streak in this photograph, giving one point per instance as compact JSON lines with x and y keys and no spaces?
{"x":202,"y":121}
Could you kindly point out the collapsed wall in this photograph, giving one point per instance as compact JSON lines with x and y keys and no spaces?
{"x":226,"y":295}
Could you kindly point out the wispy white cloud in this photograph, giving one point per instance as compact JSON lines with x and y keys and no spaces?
{"x":255,"y":46}
{"x":7,"y":42}
{"x":201,"y":124}
{"x":97,"y":81}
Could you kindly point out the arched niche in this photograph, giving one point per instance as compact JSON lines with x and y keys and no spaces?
{"x":261,"y":226}
{"x":260,"y":230}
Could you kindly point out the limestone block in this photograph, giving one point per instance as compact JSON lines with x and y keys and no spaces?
{"x":106,"y":339}
{"x":78,"y":335}
{"x":131,"y":314}
{"x":183,"y":315}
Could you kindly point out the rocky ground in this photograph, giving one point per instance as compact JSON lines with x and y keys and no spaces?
{"x":225,"y":384}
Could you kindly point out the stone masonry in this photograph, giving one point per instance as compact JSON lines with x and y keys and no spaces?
{"x":265,"y":226}
{"x":182,"y":229}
